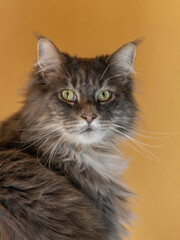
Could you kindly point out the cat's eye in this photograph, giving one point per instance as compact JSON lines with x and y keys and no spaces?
{"x":68,"y":95}
{"x":103,"y":96}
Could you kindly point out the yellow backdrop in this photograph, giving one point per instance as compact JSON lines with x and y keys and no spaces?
{"x":90,"y":27}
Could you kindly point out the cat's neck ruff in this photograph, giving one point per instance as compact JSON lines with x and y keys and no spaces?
{"x":96,"y":170}
{"x":103,"y":158}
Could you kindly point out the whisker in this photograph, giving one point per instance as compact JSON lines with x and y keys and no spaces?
{"x":66,"y":69}
{"x":145,"y":131}
{"x":129,"y":144}
{"x":104,"y":73}
{"x":145,"y":144}
{"x":148,"y":153}
{"x":114,"y":76}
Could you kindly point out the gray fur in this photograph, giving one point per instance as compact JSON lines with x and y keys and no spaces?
{"x":51,"y":133}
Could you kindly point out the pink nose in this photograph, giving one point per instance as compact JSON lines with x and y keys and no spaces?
{"x":89,"y":118}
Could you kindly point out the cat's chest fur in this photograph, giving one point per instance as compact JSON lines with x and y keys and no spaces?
{"x":95,"y":171}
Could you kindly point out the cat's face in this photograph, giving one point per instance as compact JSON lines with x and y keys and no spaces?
{"x":83,"y":101}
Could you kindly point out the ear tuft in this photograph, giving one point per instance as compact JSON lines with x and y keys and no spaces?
{"x":138,"y":41}
{"x":38,"y":35}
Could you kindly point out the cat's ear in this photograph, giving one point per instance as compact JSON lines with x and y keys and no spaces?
{"x":122,"y":60}
{"x":49,"y":58}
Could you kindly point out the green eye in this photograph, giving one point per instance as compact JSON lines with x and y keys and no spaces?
{"x":104,"y":96}
{"x":68,"y":95}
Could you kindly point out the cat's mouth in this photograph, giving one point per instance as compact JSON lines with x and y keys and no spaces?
{"x":89,"y":135}
{"x":87,"y":130}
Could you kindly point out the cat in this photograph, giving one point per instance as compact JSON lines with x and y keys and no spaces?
{"x":59,"y":160}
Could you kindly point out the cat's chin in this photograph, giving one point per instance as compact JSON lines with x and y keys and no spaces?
{"x":89,"y":137}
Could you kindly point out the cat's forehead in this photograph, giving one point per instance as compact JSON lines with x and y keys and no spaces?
{"x":85,"y":74}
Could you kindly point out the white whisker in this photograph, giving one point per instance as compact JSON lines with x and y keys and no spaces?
{"x":141,"y":145}
{"x":104,"y":73}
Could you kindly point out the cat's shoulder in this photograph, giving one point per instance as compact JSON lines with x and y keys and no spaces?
{"x":38,"y":203}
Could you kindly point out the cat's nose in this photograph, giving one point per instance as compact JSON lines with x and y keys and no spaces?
{"x":89,"y":117}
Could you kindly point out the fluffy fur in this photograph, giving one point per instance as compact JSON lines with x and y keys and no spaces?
{"x":58,"y":179}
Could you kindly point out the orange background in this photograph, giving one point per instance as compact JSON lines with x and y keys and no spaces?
{"x":90,"y":27}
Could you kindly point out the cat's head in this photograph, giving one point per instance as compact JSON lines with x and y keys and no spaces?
{"x":80,"y":100}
